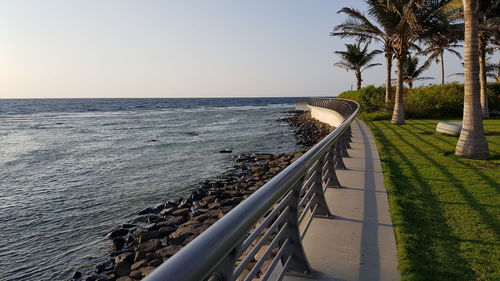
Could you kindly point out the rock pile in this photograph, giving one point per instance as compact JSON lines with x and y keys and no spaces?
{"x":308,"y":131}
{"x":138,"y":247}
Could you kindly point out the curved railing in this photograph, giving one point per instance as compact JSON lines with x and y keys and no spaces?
{"x":262,"y":236}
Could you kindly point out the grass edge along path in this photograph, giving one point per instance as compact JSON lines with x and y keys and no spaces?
{"x":445,"y":209}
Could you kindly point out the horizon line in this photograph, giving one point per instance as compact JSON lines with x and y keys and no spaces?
{"x":220,"y":97}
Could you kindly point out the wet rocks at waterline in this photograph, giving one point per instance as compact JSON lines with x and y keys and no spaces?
{"x":157,"y":233}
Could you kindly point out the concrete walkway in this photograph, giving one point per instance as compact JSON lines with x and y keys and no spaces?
{"x":358,"y":242}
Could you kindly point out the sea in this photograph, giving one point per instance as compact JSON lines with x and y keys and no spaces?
{"x":72,"y":169}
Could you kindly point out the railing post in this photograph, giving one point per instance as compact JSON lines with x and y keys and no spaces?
{"x":224,"y":270}
{"x":299,"y":263}
{"x":343,"y":146}
{"x":339,"y":162}
{"x":334,"y":180}
{"x":318,"y":186}
{"x":348,"y":134}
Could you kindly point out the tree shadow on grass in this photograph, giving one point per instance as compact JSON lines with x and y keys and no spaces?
{"x":430,"y":250}
{"x":492,"y":182}
{"x":489,"y":219}
{"x":489,"y":133}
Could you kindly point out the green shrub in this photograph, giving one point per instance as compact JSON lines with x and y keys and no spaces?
{"x":494,"y":97}
{"x":370,"y":98}
{"x":436,"y":101}
{"x":375,"y":116}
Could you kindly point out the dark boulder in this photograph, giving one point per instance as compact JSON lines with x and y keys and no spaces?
{"x":135,"y":274}
{"x":160,"y":207}
{"x":148,"y":211}
{"x":117,"y":233}
{"x":232,"y":201}
{"x":126,"y":225}
{"x":167,"y":252}
{"x":147,"y":270}
{"x":197,"y":195}
{"x":155,"y":263}
{"x":150,"y":245}
{"x":122,"y":269}
{"x":170,"y":204}
{"x":152,"y":256}
{"x":148,"y":235}
{"x":181,"y":212}
{"x":103,"y":266}
{"x":167,"y":211}
{"x":139,"y":255}
{"x":166,"y":230}
{"x":176,"y":220}
{"x":214,"y":205}
{"x":127,"y":257}
{"x":139,"y":264}
{"x":77,"y":275}
{"x":150,"y":218}
{"x":118,"y":243}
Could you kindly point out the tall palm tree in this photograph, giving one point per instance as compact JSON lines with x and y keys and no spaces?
{"x":357,"y":25}
{"x":416,"y":19}
{"x":472,"y":142}
{"x":489,"y":25}
{"x":412,"y":71}
{"x":403,"y":23}
{"x":436,"y":49}
{"x":357,"y":59}
{"x":446,"y":39}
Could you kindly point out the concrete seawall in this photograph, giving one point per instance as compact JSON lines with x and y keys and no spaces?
{"x":327,"y":116}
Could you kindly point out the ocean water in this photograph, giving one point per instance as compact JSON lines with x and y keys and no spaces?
{"x":72,"y":169}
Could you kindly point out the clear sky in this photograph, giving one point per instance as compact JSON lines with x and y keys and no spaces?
{"x":184,"y":48}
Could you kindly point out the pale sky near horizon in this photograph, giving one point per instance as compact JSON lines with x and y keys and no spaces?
{"x":184,"y":48}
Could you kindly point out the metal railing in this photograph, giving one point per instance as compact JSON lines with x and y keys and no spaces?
{"x":262,"y":236}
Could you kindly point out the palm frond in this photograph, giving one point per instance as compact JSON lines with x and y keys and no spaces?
{"x":423,"y":78}
{"x":370,"y":66}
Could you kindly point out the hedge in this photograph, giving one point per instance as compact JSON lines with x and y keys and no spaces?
{"x":436,"y":101}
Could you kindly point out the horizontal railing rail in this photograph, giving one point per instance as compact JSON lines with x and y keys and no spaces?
{"x":261,"y":238}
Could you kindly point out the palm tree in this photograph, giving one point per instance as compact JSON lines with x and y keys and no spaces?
{"x":403,"y":22}
{"x":472,"y":142}
{"x":357,"y":59}
{"x":412,"y":71}
{"x":445,"y":39}
{"x":492,"y":71}
{"x":360,"y":27}
{"x":416,"y":19}
{"x":438,"y":44}
{"x":489,"y":24}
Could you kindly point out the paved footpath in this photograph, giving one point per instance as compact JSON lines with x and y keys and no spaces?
{"x":358,"y":242}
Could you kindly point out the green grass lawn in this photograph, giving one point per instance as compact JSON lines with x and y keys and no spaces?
{"x":445,"y":209}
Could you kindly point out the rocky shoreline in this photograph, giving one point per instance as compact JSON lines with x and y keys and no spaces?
{"x":138,"y":247}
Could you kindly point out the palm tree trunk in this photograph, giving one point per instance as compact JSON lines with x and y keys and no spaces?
{"x":410,"y":84}
{"x":497,"y":79}
{"x":442,"y":68}
{"x":358,"y":79}
{"x":482,"y":79}
{"x":398,"y":114}
{"x":388,"y":82}
{"x":472,"y":142}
